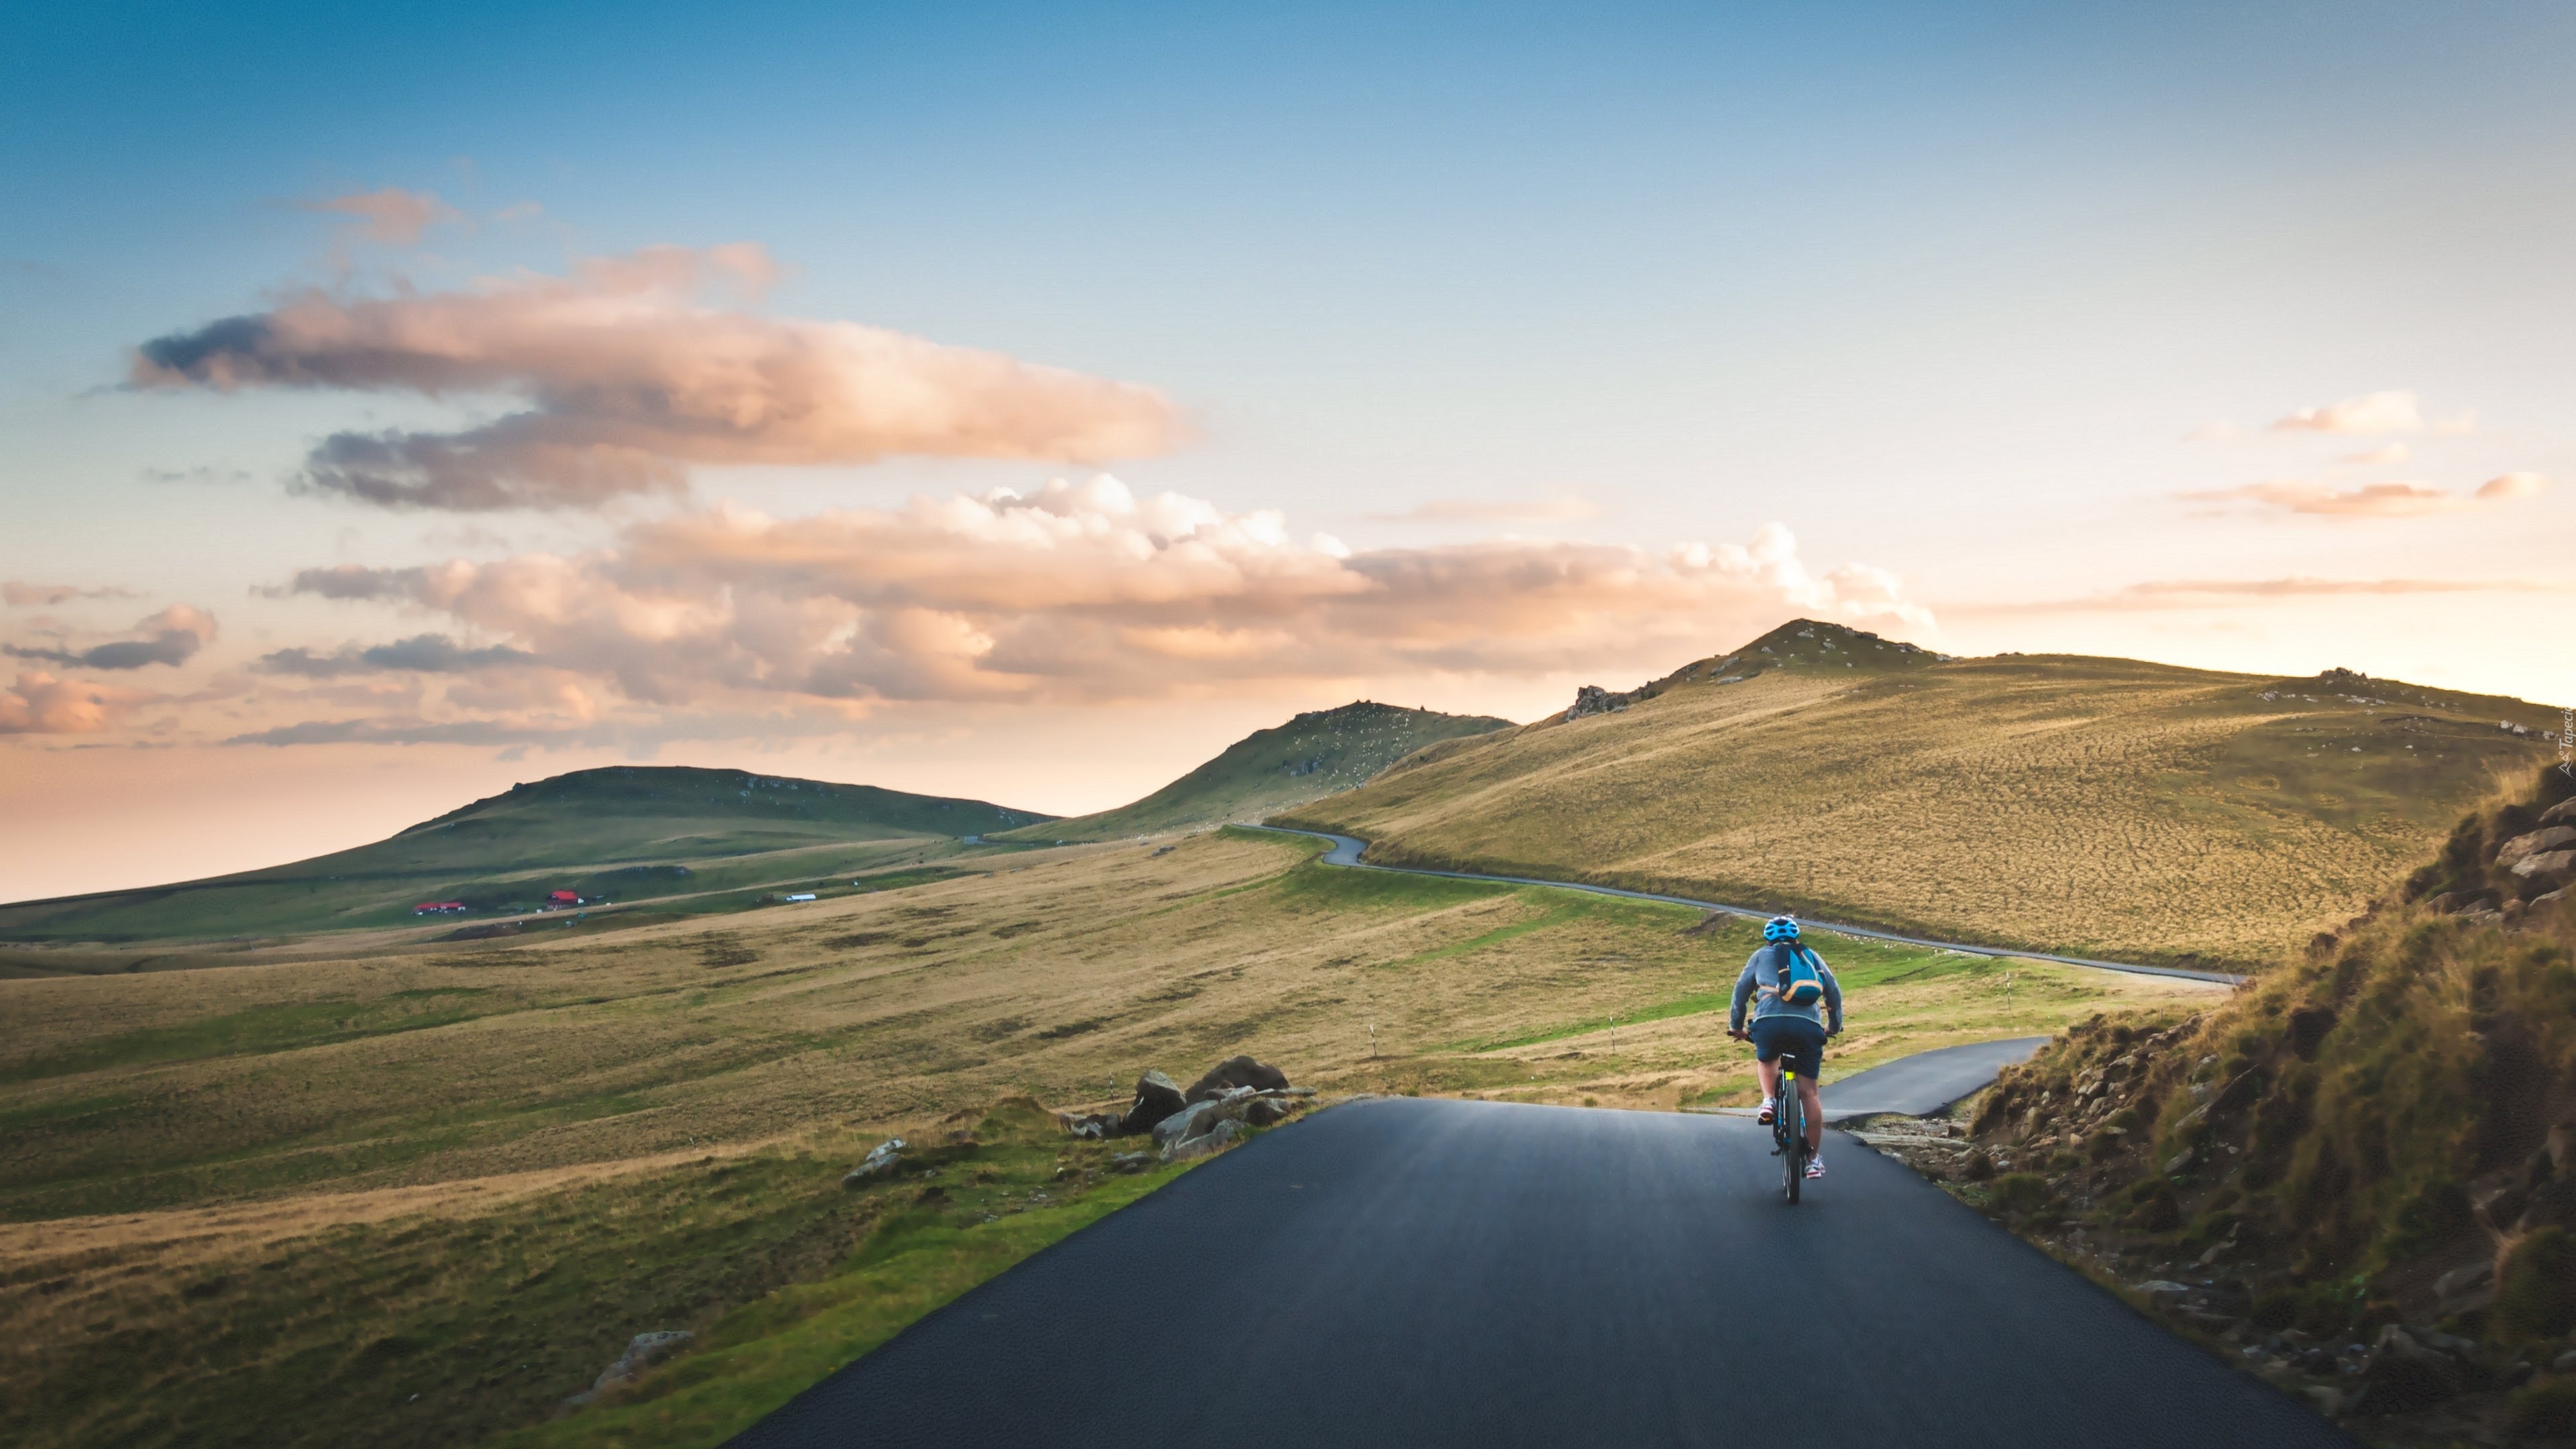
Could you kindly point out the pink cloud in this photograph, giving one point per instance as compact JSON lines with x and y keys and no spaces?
{"x":42,"y":704}
{"x":2376,"y":500}
{"x":2512,"y":485}
{"x":1084,"y":591}
{"x":390,"y":214}
{"x":632,"y":376}
{"x":2377,"y":412}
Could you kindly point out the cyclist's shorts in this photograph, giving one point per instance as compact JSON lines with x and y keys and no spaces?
{"x":1799,"y":1040}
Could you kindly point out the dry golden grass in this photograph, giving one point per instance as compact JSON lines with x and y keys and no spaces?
{"x":277,"y":1178}
{"x":1062,"y":978}
{"x":2082,"y":806}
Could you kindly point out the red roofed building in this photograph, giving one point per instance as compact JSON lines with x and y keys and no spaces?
{"x":563,"y":898}
{"x":439,"y":908}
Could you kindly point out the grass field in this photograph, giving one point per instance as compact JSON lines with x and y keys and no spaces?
{"x":297,"y":1192}
{"x":2086,"y":806}
{"x":1315,"y":754}
{"x":686,"y":837}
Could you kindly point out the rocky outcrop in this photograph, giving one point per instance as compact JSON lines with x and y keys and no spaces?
{"x":881,"y":1161}
{"x":1242,"y":1090}
{"x":1592,"y":699}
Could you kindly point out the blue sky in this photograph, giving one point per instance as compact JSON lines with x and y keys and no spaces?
{"x":1943,"y":290}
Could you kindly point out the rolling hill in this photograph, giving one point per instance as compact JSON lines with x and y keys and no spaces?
{"x":624,"y":832}
{"x":2053,"y":801}
{"x":1315,"y":754}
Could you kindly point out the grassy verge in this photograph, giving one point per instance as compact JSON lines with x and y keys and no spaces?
{"x":476,"y":1310}
{"x":991,"y":1206}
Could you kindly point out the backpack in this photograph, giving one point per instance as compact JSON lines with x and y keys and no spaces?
{"x":1799,"y":983}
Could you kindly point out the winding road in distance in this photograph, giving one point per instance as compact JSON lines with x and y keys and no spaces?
{"x":1397,"y":1272}
{"x":1347,"y":849}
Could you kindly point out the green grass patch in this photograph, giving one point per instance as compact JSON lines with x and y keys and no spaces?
{"x":260,"y":1029}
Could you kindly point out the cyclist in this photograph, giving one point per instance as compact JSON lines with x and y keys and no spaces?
{"x":1781,"y":1028}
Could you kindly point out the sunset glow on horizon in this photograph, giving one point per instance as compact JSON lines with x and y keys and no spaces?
{"x":1025,"y":404}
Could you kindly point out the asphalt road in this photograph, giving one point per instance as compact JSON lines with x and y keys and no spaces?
{"x":1347,"y":850}
{"x":1485,"y":1274}
{"x":1926,"y":1082}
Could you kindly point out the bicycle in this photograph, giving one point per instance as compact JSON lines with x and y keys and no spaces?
{"x":1788,"y":1129}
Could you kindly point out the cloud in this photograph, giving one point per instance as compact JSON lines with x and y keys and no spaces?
{"x":2377,"y":412}
{"x":2213,"y":593}
{"x":2511,"y":485}
{"x":421,"y":654}
{"x":631,"y":375}
{"x":390,"y":215}
{"x":414,"y":731}
{"x":346,"y":581}
{"x":172,"y":636}
{"x":42,"y":704}
{"x":195,"y":475}
{"x":1469,"y":510}
{"x":1084,"y":591}
{"x":2386,"y":457}
{"x":2376,"y":500}
{"x":18,"y":595}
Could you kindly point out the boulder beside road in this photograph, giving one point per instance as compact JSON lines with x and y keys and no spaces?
{"x":1238,"y":1072}
{"x":1157,"y":1098}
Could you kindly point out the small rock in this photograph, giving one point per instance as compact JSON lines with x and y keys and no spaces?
{"x":1232,"y":1073}
{"x":1180,"y":1124}
{"x":2548,"y":865}
{"x":2556,"y":837}
{"x":646,"y":1350}
{"x":1266,"y":1112}
{"x":881,"y":1161}
{"x":1130,"y":1161}
{"x":1204,"y":1143}
{"x":1157,"y":1097}
{"x":2164,"y":1292}
{"x":2324,"y":1398}
{"x":2403,"y":1375}
{"x":2464,"y":1290}
{"x":2565,"y":1363}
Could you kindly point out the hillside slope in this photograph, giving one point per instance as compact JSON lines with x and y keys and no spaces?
{"x":626,"y":831}
{"x":2381,"y":1136}
{"x":2098,"y":806}
{"x":1315,"y":754}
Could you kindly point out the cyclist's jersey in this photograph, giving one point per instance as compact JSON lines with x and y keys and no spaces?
{"x":1760,"y":984}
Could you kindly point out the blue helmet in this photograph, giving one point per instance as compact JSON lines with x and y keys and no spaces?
{"x":1780,"y":928}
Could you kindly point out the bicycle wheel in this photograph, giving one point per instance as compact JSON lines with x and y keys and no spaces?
{"x":1793,"y":1140}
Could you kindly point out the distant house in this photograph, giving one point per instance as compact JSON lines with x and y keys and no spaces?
{"x":802,"y":896}
{"x":439,"y":908}
{"x":555,"y":900}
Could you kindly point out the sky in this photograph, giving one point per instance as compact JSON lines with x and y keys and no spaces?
{"x":1024,"y":401}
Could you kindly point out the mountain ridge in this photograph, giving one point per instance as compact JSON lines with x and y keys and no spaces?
{"x":1315,"y":753}
{"x":2064,"y":802}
